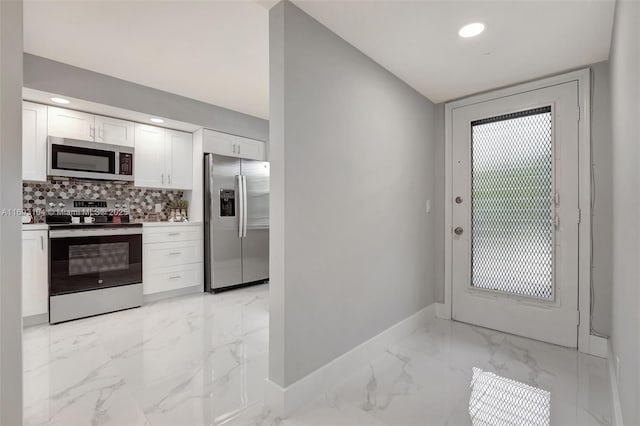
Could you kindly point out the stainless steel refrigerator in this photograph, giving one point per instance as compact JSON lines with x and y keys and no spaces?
{"x":236,"y":222}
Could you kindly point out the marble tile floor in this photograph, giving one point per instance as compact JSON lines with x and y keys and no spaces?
{"x":202,"y":360}
{"x":192,"y":360}
{"x":425,"y":379}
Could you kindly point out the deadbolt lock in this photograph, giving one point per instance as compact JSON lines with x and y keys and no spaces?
{"x":458,"y":231}
{"x":458,"y":200}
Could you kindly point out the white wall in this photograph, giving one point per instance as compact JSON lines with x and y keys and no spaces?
{"x":352,"y":163}
{"x":10,"y":198}
{"x":625,"y":111}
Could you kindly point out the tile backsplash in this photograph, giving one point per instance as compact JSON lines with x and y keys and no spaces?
{"x":141,"y":201}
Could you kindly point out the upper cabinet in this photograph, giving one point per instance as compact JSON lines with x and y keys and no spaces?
{"x":34,"y":142}
{"x":179,"y":159}
{"x":234,"y":146}
{"x":163,"y":158}
{"x":66,"y":123}
{"x":114,"y":131}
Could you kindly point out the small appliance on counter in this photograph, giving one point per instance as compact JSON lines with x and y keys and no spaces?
{"x":95,"y":259}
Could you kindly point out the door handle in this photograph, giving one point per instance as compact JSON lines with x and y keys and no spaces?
{"x":241,"y":209}
{"x":244,"y":203}
{"x":458,"y":231}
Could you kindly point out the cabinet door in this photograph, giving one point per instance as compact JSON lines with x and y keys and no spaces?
{"x":149,"y":158}
{"x":34,"y":141}
{"x":114,"y":131}
{"x":179,"y":157}
{"x":220,"y":143}
{"x":35,"y":286}
{"x":249,"y":148}
{"x":66,"y":123}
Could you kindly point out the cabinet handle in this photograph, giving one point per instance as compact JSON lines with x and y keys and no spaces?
{"x":100,"y":133}
{"x":234,"y":148}
{"x":169,"y":176}
{"x":238,"y":149}
{"x":162,"y":177}
{"x":42,"y":242}
{"x":174,"y":277}
{"x":92,"y":131}
{"x":175,"y":253}
{"x":173,"y":234}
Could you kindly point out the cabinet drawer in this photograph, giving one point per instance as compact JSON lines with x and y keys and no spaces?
{"x":156,"y":280}
{"x":173,"y":253}
{"x":169,"y":233}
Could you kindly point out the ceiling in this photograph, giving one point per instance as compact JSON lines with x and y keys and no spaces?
{"x":418,"y":40}
{"x":218,"y":52}
{"x":213,"y":51}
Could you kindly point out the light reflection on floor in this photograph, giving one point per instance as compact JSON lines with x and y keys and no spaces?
{"x":497,"y":401}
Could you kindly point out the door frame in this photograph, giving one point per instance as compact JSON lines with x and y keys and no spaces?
{"x":587,"y":343}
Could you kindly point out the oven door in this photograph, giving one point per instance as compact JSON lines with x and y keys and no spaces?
{"x":82,"y":260}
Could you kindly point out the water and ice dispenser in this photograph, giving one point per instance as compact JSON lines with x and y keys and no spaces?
{"x":227,"y":202}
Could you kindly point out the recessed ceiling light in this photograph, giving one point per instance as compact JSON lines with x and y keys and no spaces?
{"x":60,"y":100}
{"x":471,"y":30}
{"x":156,"y":120}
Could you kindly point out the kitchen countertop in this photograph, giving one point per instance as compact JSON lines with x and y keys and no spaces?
{"x":150,"y":224}
{"x":35,"y":227}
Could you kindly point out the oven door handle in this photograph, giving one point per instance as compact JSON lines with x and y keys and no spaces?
{"x":78,"y":233}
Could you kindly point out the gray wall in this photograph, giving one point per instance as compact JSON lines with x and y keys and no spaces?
{"x":352,"y":151}
{"x":601,"y":151}
{"x":625,"y":111}
{"x":10,"y":198}
{"x":56,"y":77}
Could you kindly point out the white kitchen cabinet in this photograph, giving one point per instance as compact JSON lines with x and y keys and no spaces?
{"x":66,"y":123}
{"x":34,"y":142}
{"x":163,"y":158}
{"x":35,"y":282}
{"x":179,"y":159}
{"x":114,"y":131}
{"x":233,"y":146}
{"x":149,"y":161}
{"x":172,"y":257}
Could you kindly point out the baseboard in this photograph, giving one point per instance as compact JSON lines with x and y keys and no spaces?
{"x":154,"y":297}
{"x":616,"y":408}
{"x":35,"y":320}
{"x":443,"y":311}
{"x":598,"y":346}
{"x":284,"y":401}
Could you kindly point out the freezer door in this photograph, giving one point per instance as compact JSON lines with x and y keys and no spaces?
{"x":255,"y":244}
{"x":222,"y":222}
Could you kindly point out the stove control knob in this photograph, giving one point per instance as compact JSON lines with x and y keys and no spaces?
{"x":116,"y":205}
{"x":61,"y":205}
{"x":52,"y":205}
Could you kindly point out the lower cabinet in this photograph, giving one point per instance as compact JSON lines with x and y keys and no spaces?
{"x":35,"y":272}
{"x":172,"y":257}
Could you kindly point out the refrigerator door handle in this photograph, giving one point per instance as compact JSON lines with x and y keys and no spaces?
{"x":241,"y":206}
{"x":244,"y":204}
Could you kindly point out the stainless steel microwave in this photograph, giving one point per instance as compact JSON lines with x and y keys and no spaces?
{"x":89,"y":160}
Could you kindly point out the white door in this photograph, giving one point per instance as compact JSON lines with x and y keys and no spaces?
{"x":149,"y":159}
{"x":179,"y":159}
{"x":34,"y":142}
{"x":515,"y":214}
{"x":35,"y":284}
{"x":114,"y":131}
{"x":66,"y":123}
